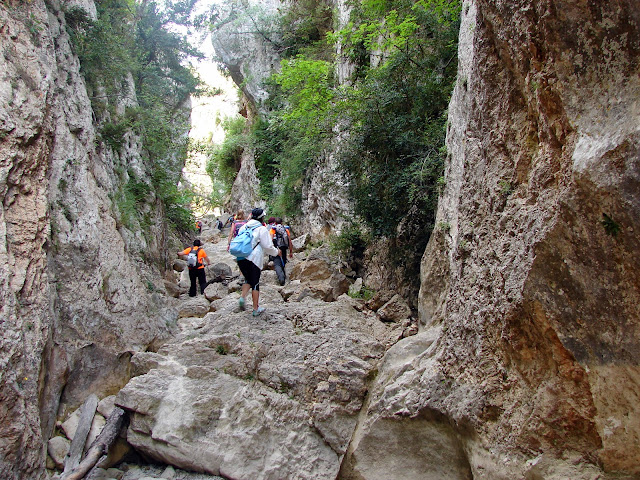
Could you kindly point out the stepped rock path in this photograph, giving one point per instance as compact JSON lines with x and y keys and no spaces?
{"x":269,"y":397}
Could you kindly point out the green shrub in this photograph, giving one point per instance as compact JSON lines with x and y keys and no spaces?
{"x":224,"y":160}
{"x":136,"y":40}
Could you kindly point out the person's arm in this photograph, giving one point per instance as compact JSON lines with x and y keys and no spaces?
{"x":181,"y":252}
{"x":233,"y":227}
{"x":290,"y":242}
{"x":266,"y":242}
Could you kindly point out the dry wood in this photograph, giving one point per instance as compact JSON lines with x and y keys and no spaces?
{"x":87,"y":412}
{"x":99,"y":447}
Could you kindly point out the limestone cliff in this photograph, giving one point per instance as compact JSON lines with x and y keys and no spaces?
{"x":74,"y":289}
{"x":246,"y":40}
{"x":527,"y":361}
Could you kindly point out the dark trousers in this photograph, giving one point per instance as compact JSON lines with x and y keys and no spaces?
{"x":199,"y":275}
{"x":279,"y":263}
{"x":250,"y":272}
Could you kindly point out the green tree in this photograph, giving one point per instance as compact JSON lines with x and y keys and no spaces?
{"x":136,"y":40}
{"x":394,"y":115}
{"x":291,"y":138}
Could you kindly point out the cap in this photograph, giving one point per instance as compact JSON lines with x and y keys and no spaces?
{"x":257,"y":213}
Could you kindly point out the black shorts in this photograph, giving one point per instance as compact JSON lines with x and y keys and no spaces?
{"x":250,"y":272}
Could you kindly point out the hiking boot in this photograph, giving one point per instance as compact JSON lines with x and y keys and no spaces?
{"x":241,"y":303}
{"x":258,"y":311}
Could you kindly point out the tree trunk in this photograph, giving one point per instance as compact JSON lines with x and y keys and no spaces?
{"x":100,"y":446}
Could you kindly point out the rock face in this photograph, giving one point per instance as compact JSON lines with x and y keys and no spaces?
{"x":244,"y":41}
{"x":529,"y":343}
{"x":74,"y":294}
{"x":246,"y":397}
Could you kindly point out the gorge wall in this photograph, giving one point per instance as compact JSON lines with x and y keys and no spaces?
{"x":527,"y":356}
{"x":246,"y":43}
{"x":526,"y":365}
{"x":73,"y":281}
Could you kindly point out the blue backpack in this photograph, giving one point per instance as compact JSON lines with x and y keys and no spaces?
{"x":242,"y":245}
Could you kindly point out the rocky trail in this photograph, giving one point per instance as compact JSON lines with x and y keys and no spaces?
{"x":274,"y":396}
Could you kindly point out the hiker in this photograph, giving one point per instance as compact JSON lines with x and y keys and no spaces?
{"x":235,"y":226}
{"x":251,"y":266}
{"x":199,"y":226}
{"x":229,"y":221}
{"x":219,"y":224}
{"x":196,"y":260}
{"x":282,"y":241}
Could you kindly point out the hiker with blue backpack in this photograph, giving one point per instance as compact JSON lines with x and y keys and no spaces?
{"x":249,"y":247}
{"x":236,"y":225}
{"x":196,"y":260}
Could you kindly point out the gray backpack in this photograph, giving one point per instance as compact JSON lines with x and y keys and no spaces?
{"x":281,"y":237}
{"x":192,"y":258}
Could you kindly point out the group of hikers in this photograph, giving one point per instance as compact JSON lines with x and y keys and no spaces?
{"x":249,"y":241}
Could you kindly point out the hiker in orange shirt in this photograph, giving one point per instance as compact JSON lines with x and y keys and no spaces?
{"x":196,"y":260}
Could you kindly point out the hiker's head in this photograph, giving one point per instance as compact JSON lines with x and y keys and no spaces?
{"x":279,"y":220}
{"x":240,"y":215}
{"x":257,"y":214}
{"x":197,"y":243}
{"x":271,"y":220}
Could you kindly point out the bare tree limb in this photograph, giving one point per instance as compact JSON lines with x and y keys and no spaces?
{"x":87,"y":412}
{"x":100,"y":446}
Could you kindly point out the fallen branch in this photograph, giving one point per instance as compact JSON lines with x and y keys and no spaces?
{"x":100,"y":446}
{"x":87,"y":412}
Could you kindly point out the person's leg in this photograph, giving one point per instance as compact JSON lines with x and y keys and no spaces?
{"x":254,"y":281}
{"x":278,"y":266}
{"x":202,"y":278}
{"x":245,"y":269}
{"x":193,"y":275}
{"x":255,"y":296}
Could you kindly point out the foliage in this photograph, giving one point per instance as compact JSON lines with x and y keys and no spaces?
{"x":610,"y":225}
{"x":365,"y":293}
{"x":304,"y":26}
{"x":223,"y":160}
{"x":290,"y":139}
{"x":131,"y":49}
{"x":396,"y":114}
{"x":351,"y":242}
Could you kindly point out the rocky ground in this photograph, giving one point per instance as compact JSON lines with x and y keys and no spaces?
{"x":274,"y":396}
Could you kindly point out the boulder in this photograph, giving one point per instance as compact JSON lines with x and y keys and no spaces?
{"x":292,"y":289}
{"x":197,"y":306}
{"x":250,"y":398}
{"x":322,"y":279}
{"x":218,"y":272}
{"x":215,"y":291}
{"x":70,"y":426}
{"x":179,"y":265}
{"x":379,"y":299}
{"x":300,"y":243}
{"x":269,"y":277}
{"x":185,"y":282}
{"x":395,"y":310}
{"x":142,"y":362}
{"x":58,"y":448}
{"x":173,"y":290}
{"x":356,"y":287}
{"x":105,"y":406}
